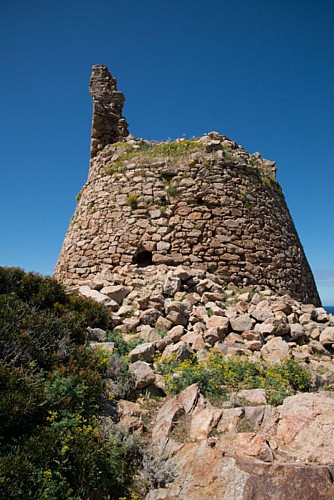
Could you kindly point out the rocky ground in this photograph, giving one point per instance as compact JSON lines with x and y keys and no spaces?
{"x":241,"y":446}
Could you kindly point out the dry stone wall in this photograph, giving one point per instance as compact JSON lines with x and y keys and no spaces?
{"x":205,"y":203}
{"x":108,"y":124}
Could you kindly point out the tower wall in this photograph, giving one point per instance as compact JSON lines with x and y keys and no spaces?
{"x":108,"y":124}
{"x":206,"y":203}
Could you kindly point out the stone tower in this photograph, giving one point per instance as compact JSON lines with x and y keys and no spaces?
{"x":205,"y":203}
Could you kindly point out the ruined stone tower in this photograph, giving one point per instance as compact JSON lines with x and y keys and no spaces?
{"x":108,"y":124}
{"x":205,"y":203}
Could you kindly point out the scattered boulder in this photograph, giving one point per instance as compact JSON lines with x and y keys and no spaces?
{"x":149,"y":316}
{"x":172,"y":285}
{"x":275,"y":350}
{"x":116,"y":292}
{"x":99,"y":297}
{"x":242,"y":323}
{"x":143,"y":352}
{"x":142,"y":373}
{"x":97,"y":334}
{"x":242,"y":447}
{"x":327,"y":336}
{"x":181,"y":351}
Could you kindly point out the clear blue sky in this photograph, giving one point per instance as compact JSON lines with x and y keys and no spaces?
{"x":260,"y":72}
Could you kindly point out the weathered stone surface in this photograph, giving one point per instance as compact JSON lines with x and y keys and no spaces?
{"x":181,"y":351}
{"x":296,"y":331}
{"x":116,"y":293}
{"x":142,"y":373}
{"x":188,"y":397}
{"x":94,"y":294}
{"x":143,"y":352}
{"x":172,"y":285}
{"x":201,"y":472}
{"x":176,"y":333}
{"x":319,"y":314}
{"x":177,"y":318}
{"x":253,"y":396}
{"x":149,"y":316}
{"x":230,"y":420}
{"x":203,"y":421}
{"x":265,"y":328}
{"x":108,"y":123}
{"x":275,"y":350}
{"x":327,"y":336}
{"x":246,"y":444}
{"x":194,"y":340}
{"x":262,"y":418}
{"x":97,"y":334}
{"x":108,"y":346}
{"x":234,"y":338}
{"x":166,"y":419}
{"x":282,"y":306}
{"x":211,"y":336}
{"x":261,"y":314}
{"x":305,"y":428}
{"x":131,"y":416}
{"x":220,"y":323}
{"x":241,"y":323}
{"x":253,"y":345}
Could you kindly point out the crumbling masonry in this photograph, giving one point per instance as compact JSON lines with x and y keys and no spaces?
{"x":205,"y":203}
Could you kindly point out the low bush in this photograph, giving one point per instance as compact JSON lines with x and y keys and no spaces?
{"x":52,"y":389}
{"x":121,"y":346}
{"x":132,"y":200}
{"x":217,"y":376}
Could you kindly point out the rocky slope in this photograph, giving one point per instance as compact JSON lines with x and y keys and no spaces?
{"x":242,"y":445}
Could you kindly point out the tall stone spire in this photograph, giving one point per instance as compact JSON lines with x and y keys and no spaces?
{"x":108,"y":124}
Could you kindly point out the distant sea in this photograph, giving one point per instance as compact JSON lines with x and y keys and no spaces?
{"x":329,"y":309}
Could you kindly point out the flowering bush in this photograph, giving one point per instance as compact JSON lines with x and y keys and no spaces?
{"x":217,"y":376}
{"x":52,"y":389}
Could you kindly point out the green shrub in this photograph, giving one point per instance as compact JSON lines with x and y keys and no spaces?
{"x":217,"y":376}
{"x":121,"y":346}
{"x":171,"y":191}
{"x":121,"y":384}
{"x":78,"y":196}
{"x":52,"y":388}
{"x":31,"y":288}
{"x":21,"y":402}
{"x":69,"y":459}
{"x":284,"y":380}
{"x":132,"y":200}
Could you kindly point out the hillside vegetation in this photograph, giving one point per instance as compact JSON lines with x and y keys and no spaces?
{"x":52,"y":444}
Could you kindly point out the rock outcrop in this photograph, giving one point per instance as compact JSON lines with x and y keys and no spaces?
{"x":245,"y":453}
{"x":206,"y":203}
